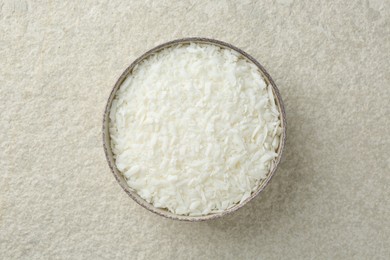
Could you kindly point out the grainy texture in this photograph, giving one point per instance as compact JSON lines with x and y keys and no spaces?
{"x":330,"y":196}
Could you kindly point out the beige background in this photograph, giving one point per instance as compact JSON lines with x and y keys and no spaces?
{"x":328,"y":200}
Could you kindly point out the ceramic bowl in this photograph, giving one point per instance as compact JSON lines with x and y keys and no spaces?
{"x":107,"y":142}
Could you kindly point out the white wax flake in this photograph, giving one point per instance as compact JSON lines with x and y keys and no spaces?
{"x":194,"y":129}
{"x":133,"y":170}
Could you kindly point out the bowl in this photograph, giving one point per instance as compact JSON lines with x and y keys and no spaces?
{"x":107,"y":142}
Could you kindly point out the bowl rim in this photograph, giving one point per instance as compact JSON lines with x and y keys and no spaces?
{"x":107,"y":140}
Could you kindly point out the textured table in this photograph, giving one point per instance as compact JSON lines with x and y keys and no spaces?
{"x":330,"y":196}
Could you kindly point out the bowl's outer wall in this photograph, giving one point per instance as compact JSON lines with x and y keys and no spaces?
{"x":107,"y":142}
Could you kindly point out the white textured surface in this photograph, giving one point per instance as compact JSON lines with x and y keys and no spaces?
{"x":330,"y":196}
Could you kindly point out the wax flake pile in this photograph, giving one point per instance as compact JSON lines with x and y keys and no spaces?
{"x":194,"y":129}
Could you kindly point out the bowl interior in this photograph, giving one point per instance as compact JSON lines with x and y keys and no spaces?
{"x":107,"y":141}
